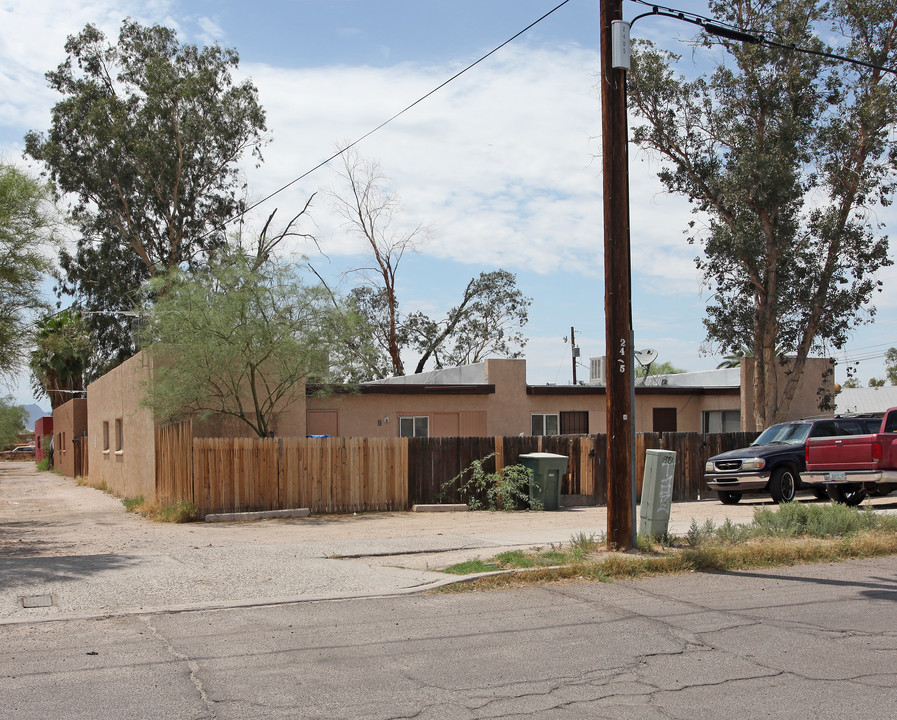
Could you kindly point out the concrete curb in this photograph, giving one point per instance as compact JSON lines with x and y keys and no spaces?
{"x":440,"y":507}
{"x":269,"y":602}
{"x":261,"y":515}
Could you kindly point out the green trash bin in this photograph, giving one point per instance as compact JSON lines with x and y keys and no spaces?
{"x":548,"y":470}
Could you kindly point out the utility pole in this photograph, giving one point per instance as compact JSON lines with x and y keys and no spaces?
{"x":617,"y":290}
{"x":574,"y":352}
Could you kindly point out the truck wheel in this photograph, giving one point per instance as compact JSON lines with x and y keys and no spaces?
{"x":782,"y":485}
{"x":728,"y":497}
{"x":849,"y":494}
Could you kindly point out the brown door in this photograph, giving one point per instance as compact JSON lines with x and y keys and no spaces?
{"x":664,"y":420}
{"x":322,"y":422}
{"x":445,"y":424}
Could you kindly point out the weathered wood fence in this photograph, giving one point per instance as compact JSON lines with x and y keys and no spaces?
{"x":333,"y":475}
{"x":330,"y":475}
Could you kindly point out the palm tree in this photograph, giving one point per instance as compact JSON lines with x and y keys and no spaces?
{"x":59,"y":361}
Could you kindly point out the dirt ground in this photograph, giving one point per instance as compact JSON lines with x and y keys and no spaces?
{"x":43,"y":514}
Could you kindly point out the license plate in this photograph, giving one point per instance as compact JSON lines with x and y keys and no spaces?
{"x":837,"y":477}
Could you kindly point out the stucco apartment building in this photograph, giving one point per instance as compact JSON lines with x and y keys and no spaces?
{"x":487,"y":399}
{"x":69,"y":425}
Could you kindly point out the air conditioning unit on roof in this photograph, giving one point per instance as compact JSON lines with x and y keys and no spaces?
{"x":598,"y":370}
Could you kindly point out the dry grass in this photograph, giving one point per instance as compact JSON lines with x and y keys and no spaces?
{"x":791,"y":535}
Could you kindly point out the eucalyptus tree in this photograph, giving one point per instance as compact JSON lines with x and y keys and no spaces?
{"x":787,"y":157}
{"x":146,"y":138}
{"x":488,"y":320}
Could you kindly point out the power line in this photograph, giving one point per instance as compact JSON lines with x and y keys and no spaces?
{"x":397,"y":115}
{"x":733,"y":32}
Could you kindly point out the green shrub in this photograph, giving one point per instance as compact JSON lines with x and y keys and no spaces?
{"x":133,"y":504}
{"x":44,"y":465}
{"x":507,"y":489}
{"x":824,"y":521}
{"x":180,"y":512}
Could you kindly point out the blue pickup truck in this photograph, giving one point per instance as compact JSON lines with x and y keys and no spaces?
{"x":774,"y":461}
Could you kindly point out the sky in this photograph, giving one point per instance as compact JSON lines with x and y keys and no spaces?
{"x":502,"y":164}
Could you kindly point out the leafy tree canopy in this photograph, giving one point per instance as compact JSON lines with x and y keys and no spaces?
{"x":146,"y":138}
{"x":239,"y":338}
{"x":26,"y":223}
{"x":12,"y":422}
{"x":786,"y":156}
{"x":61,"y":357}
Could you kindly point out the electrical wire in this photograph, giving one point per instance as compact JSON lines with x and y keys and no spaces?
{"x":396,"y":116}
{"x":733,"y":32}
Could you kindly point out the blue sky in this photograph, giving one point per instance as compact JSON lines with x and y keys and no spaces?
{"x":503,"y":164}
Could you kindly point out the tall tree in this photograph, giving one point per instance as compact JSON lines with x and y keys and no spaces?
{"x":785,"y":155}
{"x":26,"y":222}
{"x":486,"y":322}
{"x":61,"y":357}
{"x":369,"y":209}
{"x":146,"y":138}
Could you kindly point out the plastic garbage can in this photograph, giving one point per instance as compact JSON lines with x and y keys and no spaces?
{"x":548,"y":470}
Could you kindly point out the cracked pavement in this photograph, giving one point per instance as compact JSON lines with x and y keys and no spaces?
{"x":814,"y":641}
{"x":809,"y":641}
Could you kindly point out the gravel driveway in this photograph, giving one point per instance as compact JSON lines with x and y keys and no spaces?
{"x":76,"y":551}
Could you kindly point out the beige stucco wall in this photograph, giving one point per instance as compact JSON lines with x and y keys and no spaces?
{"x":818,"y":374}
{"x":69,"y":422}
{"x":509,"y":408}
{"x":131,"y":470}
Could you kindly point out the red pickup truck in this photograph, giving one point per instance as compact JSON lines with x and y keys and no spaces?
{"x":852,"y":467}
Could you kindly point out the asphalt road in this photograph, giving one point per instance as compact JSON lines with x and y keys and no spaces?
{"x":312,"y":619}
{"x":808,"y":642}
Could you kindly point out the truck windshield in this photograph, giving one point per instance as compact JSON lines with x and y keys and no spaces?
{"x":786,"y":433}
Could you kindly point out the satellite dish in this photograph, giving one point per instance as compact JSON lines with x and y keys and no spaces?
{"x":645,"y":357}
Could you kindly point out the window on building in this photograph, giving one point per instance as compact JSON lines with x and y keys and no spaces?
{"x":414,"y":426}
{"x":663,"y":419}
{"x":721,"y":421}
{"x":105,"y":435}
{"x":575,"y":422}
{"x":119,"y":436}
{"x":545,"y":424}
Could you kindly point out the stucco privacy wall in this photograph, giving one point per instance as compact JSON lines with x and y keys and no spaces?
{"x":121,"y":433}
{"x":69,"y":422}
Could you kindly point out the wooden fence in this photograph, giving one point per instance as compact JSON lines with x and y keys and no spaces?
{"x":333,"y":475}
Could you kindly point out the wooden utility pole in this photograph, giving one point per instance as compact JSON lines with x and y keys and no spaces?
{"x":617,"y":290}
{"x":573,"y":354}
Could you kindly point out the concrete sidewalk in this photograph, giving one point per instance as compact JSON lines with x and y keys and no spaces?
{"x":72,"y":551}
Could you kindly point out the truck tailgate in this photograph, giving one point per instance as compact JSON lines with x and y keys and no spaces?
{"x":842,"y":453}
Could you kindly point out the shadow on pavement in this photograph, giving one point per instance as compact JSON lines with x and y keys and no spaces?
{"x":15,"y":572}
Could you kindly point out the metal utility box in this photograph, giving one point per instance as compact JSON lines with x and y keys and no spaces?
{"x":657,"y":492}
{"x":548,"y":470}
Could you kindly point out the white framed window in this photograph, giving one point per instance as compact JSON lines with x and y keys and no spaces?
{"x":721,"y":421}
{"x":545,"y":424}
{"x":417,"y":426}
